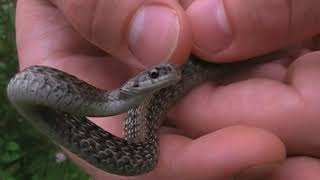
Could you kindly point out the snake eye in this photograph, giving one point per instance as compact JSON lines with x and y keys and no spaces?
{"x":154,"y":74}
{"x":135,"y":84}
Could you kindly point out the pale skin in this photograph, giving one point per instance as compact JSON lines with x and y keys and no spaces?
{"x":242,"y":130}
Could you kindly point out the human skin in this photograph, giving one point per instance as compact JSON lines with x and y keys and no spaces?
{"x":242,"y":130}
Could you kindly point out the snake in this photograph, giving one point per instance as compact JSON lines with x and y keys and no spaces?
{"x":58,"y":104}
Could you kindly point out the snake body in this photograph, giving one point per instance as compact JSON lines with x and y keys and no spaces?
{"x":57,"y":103}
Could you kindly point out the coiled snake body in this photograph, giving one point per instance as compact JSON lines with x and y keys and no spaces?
{"x":57,"y":103}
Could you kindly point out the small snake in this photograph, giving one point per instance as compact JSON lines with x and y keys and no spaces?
{"x":57,"y":103}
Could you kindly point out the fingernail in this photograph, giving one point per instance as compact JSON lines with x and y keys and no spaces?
{"x":259,"y":172}
{"x":211,"y":29}
{"x":154,"y":33}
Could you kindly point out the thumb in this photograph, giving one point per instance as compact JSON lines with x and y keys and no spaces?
{"x":229,"y":30}
{"x":149,"y":31}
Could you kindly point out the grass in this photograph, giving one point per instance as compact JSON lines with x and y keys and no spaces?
{"x":24,"y":152}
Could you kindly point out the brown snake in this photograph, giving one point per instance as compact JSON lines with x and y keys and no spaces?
{"x":57,"y":103}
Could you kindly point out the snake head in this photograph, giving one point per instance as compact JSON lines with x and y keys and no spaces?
{"x":152,"y":79}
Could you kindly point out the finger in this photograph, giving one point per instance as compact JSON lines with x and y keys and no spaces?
{"x":45,"y":34}
{"x":303,"y":76}
{"x":222,"y":154}
{"x":297,"y":168}
{"x":150,"y":31}
{"x":290,"y":109}
{"x":47,"y":39}
{"x":231,"y":30}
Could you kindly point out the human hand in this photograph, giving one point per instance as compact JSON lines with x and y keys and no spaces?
{"x":58,"y":35}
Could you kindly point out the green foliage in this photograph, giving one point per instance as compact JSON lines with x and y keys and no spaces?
{"x":24,"y":153}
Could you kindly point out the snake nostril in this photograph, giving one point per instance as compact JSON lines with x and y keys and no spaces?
{"x":135,"y":84}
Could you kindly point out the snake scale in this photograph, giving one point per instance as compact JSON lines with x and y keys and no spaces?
{"x":58,"y":103}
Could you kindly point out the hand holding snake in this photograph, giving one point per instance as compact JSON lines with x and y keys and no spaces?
{"x":200,"y":150}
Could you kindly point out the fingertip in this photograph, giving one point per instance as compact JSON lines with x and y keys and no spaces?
{"x":297,"y":168}
{"x":232,"y":30}
{"x":159,"y":33}
{"x":210,"y":27}
{"x":229,"y":151}
{"x":303,"y":74}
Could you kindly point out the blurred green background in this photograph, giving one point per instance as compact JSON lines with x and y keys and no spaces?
{"x":24,"y":153}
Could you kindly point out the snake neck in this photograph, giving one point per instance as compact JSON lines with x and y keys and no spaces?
{"x":119,"y":101}
{"x":40,"y":86}
{"x":144,"y":121}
